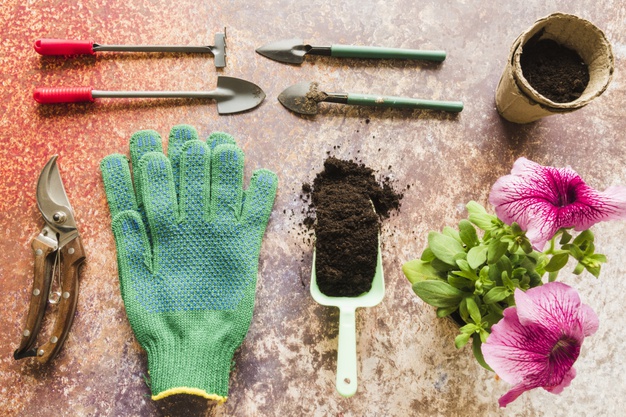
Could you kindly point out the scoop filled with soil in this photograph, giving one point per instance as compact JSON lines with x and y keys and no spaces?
{"x":559,"y":65}
{"x":347,"y":269}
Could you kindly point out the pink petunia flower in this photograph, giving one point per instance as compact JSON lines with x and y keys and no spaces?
{"x":538,"y":341}
{"x":544,"y":199}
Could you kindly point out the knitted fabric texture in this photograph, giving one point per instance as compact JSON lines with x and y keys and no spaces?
{"x":188,"y":239}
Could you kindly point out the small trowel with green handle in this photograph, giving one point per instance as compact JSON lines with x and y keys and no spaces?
{"x":292,"y":51}
{"x":304,"y":97}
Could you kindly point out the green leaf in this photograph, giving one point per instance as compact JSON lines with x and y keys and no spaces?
{"x":478,"y":353}
{"x":552,"y":276}
{"x":565,"y":237}
{"x":508,"y":283}
{"x":584,"y":236}
{"x":496,"y":250}
{"x":598,"y":257}
{"x":427,"y":255}
{"x":463,"y":311}
{"x":475,"y":208}
{"x":590,"y":249}
{"x":482,"y":221}
{"x":441,"y":266}
{"x":448,"y":231}
{"x":469,"y":328}
{"x":579,"y":268}
{"x":461,"y":340}
{"x":469,"y":275}
{"x":526,"y":246}
{"x":438,"y":293}
{"x":445,"y":311}
{"x":574,"y":251}
{"x":477,"y":256}
{"x":418,"y":270}
{"x":516,"y":229}
{"x":483,"y":335}
{"x":444,"y":247}
{"x":464,"y":265}
{"x":593,"y":270}
{"x":468,"y":233}
{"x":496,"y":294}
{"x":460,"y":283}
{"x":557,"y":262}
{"x":473,"y":309}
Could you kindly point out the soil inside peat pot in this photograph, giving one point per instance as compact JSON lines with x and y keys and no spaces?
{"x":346,"y":225}
{"x":556,"y":72}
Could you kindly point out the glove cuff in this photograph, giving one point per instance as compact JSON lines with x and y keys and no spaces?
{"x":196,"y":370}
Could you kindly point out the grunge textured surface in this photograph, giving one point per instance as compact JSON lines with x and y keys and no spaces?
{"x":407,"y":362}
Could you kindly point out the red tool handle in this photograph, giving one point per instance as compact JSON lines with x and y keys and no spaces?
{"x":63,"y":47}
{"x":46,"y":95}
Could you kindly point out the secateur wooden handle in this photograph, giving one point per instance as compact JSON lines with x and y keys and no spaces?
{"x":72,"y":256}
{"x":42,"y":247}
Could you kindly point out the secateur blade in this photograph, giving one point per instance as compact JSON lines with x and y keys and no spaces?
{"x":53,"y":203}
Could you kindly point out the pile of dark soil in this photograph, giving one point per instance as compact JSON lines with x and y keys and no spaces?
{"x":346,"y":226}
{"x":556,"y":72}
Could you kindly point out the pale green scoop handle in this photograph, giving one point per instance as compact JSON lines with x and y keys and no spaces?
{"x":346,"y":379}
{"x":346,"y":353}
{"x":352,"y":51}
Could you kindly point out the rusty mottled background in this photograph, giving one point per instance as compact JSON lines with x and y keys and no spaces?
{"x":408,"y":365}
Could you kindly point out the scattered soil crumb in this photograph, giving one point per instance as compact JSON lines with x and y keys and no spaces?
{"x":312,"y":97}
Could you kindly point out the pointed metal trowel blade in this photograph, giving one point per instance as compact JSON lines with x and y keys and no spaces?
{"x":290,"y":51}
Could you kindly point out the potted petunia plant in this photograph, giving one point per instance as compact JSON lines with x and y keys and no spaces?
{"x":495,"y":275}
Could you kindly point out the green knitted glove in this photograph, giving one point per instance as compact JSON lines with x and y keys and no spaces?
{"x":188,"y":240}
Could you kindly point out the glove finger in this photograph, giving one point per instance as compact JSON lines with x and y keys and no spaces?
{"x":141,"y":143}
{"x":133,"y":250}
{"x":118,"y":185}
{"x":259,"y":199}
{"x":179,"y":136}
{"x":219,"y":138}
{"x":226,"y":181}
{"x":158,"y":193}
{"x":195,"y":180}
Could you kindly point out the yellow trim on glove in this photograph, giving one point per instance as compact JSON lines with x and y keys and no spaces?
{"x":189,"y":391}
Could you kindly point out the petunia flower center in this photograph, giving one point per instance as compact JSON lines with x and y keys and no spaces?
{"x":564,"y":354}
{"x":568,"y":197}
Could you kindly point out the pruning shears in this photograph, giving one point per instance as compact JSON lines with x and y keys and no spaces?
{"x":58,"y":252}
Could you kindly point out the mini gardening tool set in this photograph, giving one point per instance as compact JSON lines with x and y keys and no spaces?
{"x":188,"y":236}
{"x":234,"y":95}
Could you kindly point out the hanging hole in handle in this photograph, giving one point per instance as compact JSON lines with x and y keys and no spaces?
{"x":346,"y":380}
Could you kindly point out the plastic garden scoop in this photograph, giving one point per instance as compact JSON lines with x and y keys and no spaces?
{"x":292,"y":51}
{"x":346,"y":350}
{"x":77,"y":47}
{"x":303,"y":98}
{"x":232,"y":95}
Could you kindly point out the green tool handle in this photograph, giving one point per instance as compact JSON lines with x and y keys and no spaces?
{"x":398,"y":102}
{"x":351,"y":51}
